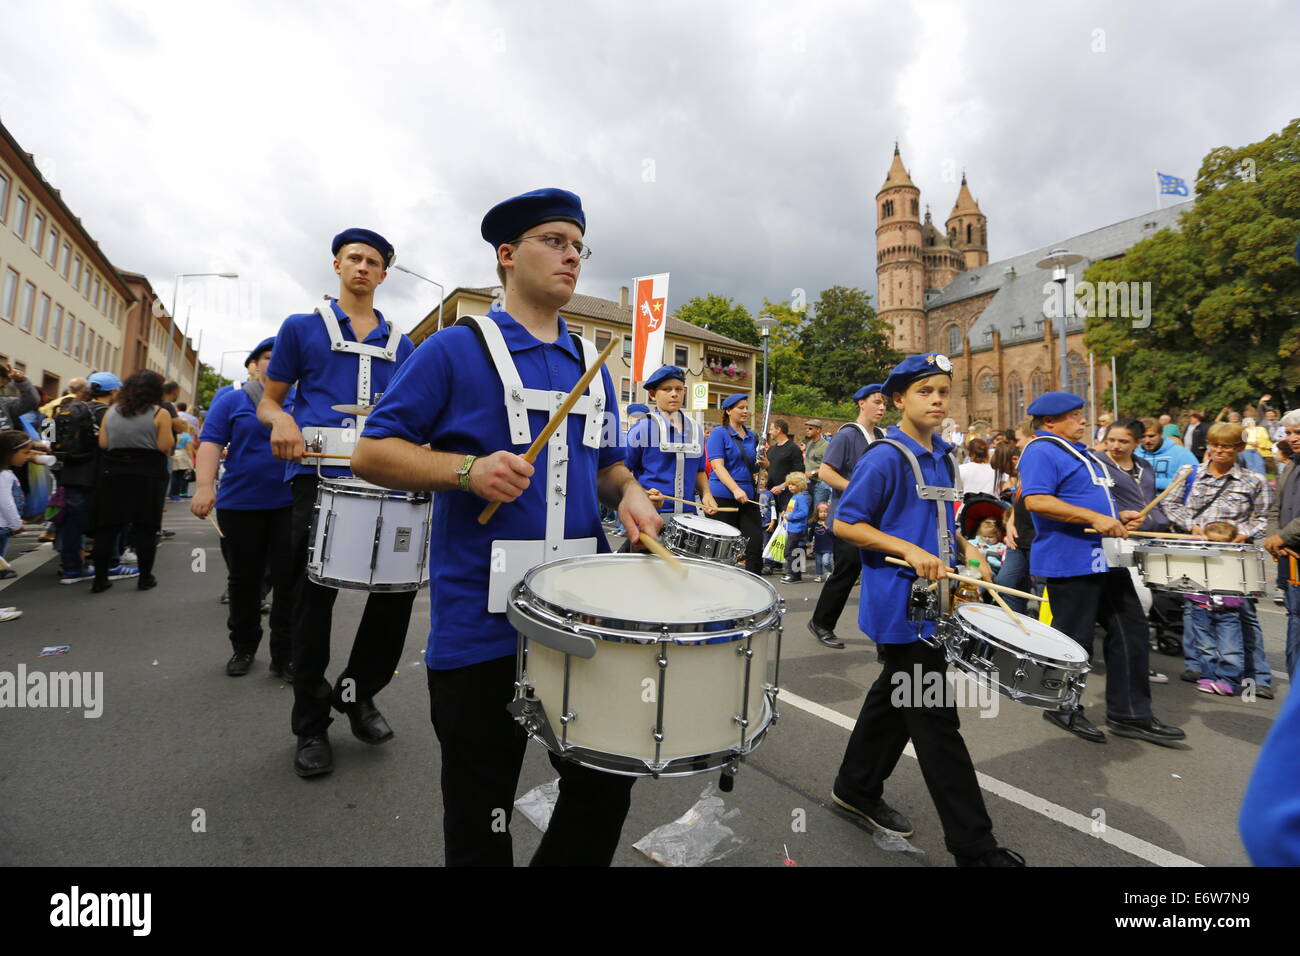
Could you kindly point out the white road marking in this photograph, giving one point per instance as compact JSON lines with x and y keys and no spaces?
{"x":27,"y":563}
{"x":1077,"y":821}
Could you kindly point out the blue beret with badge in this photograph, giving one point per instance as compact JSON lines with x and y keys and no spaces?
{"x":263,"y":346}
{"x":916,"y":367}
{"x":1054,"y":403}
{"x":663,"y":374}
{"x":368,"y":236}
{"x":508,"y":220}
{"x":636,"y":408}
{"x":731,"y":400}
{"x":867,"y":390}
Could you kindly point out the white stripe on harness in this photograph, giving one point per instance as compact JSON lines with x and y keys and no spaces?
{"x":691,"y":446}
{"x":363,"y":352}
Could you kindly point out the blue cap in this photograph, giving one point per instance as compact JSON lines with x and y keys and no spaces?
{"x":371,"y":238}
{"x":866,"y":390}
{"x":661,"y":375}
{"x":262,"y":346}
{"x":733,"y":399}
{"x":636,"y":408}
{"x":104,"y":381}
{"x":916,"y":367}
{"x":509,"y":219}
{"x":1054,"y":403}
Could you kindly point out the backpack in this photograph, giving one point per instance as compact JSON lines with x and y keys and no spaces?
{"x":76,"y":433}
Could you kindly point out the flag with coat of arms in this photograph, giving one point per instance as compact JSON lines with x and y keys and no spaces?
{"x":649,"y":322}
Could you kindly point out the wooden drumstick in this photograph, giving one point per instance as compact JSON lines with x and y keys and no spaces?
{"x":557,"y":419}
{"x":688,"y":502}
{"x":1156,"y":534}
{"x":321,"y":454}
{"x":1010,"y":613}
{"x":215,"y":525}
{"x":1294,"y":580}
{"x":652,"y":543}
{"x":978,"y":582}
{"x":1179,"y":478}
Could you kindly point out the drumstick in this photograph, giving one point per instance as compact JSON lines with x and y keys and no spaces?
{"x":1179,"y":478}
{"x":560,"y":415}
{"x":1155,"y":534}
{"x":1294,"y":580}
{"x":215,"y":525}
{"x":320,"y":454}
{"x":1010,"y":613}
{"x":652,"y":543}
{"x":686,"y":502}
{"x":978,"y":582}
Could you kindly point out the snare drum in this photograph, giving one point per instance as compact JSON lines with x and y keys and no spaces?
{"x":1205,"y":567}
{"x":626,"y":668}
{"x":369,"y":538}
{"x":1043,"y":668}
{"x":696,"y":536}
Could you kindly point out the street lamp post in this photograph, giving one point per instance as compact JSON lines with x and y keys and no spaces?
{"x":176,"y":291}
{"x":1059,"y":261}
{"x":442,"y":293}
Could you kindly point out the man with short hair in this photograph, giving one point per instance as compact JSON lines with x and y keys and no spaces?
{"x":1169,"y":429}
{"x":815,"y":453}
{"x":1165,"y":455}
{"x":78,"y":391}
{"x":783,"y":457}
{"x":1285,"y":544}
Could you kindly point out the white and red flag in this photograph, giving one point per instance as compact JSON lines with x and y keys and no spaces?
{"x":649,"y":320}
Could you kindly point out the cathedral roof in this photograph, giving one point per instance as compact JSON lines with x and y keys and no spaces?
{"x":932,"y":235}
{"x":897,"y":175}
{"x":965,"y":201}
{"x":1018,"y":300}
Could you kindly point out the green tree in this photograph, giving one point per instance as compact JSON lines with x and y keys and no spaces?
{"x":719,"y":314}
{"x":209,"y":382}
{"x":845,"y":344}
{"x":1224,"y":289}
{"x":809,"y":400}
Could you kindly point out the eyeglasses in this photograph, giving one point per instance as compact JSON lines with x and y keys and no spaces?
{"x":560,"y":244}
{"x":1224,"y":447}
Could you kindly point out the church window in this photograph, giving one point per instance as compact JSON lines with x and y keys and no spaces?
{"x":954,"y":339}
{"x":1077,"y":372}
{"x":1015,"y":398}
{"x":887,"y":209}
{"x":915,"y":210}
{"x":1037,"y":384}
{"x":968,"y":233}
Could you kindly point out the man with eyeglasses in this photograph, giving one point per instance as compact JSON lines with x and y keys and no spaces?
{"x":1285,"y":545}
{"x":476,"y":394}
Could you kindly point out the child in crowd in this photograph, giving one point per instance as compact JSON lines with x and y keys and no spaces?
{"x":1222,"y":662}
{"x":989,"y":540}
{"x":768,"y":518}
{"x":823,"y":543}
{"x":796,"y":526}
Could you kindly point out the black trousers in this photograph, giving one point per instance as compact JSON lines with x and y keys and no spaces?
{"x":255,"y":543}
{"x":482,"y":752}
{"x":748,"y":522}
{"x":1107,"y":598}
{"x":376,"y":650}
{"x":883,"y":730}
{"x":835,"y":592}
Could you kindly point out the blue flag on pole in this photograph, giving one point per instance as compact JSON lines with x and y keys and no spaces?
{"x":1172,"y":185}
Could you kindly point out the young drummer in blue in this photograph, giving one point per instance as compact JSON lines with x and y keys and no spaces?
{"x":665,"y":450}
{"x":881,"y":513}
{"x":1066,"y":491}
{"x":255,"y":511}
{"x":478,"y":394}
{"x":733,"y":455}
{"x":345,"y":353}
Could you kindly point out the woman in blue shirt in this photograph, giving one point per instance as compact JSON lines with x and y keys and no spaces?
{"x":254,"y":510}
{"x":732,"y":450}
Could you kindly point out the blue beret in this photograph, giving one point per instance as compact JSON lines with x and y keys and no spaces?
{"x":371,"y":238}
{"x":637,"y":408}
{"x":663,"y":374}
{"x":1054,"y":403}
{"x":733,"y":399}
{"x":262,"y":346}
{"x":866,"y":390}
{"x":914,"y":367}
{"x":507,"y":220}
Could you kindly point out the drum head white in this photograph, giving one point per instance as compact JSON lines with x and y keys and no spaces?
{"x":639,"y":588}
{"x":1041,"y":642}
{"x":706,"y":525}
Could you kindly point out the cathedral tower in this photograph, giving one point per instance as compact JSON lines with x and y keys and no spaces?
{"x":968,"y":228}
{"x":900,"y":272}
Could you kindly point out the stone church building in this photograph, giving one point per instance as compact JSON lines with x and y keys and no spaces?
{"x":939,"y":292}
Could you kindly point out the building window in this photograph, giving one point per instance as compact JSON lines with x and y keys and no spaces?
{"x":81,"y":341}
{"x":52,"y":247}
{"x":625,"y":390}
{"x":887,"y":209}
{"x":1077,"y":372}
{"x":66,"y":258}
{"x":954,"y":339}
{"x":28,"y":306}
{"x":57,"y":328}
{"x":602,"y":339}
{"x":1015,"y":399}
{"x":4,"y":198}
{"x":69,"y":333}
{"x":681,"y":356}
{"x":76,"y":273}
{"x":43,"y":318}
{"x":38,"y":232}
{"x":9,"y":295}
{"x":95,"y":298}
{"x":20,"y":217}
{"x":968,"y":241}
{"x":1037,"y":384}
{"x":916,"y":210}
{"x":627,"y":348}
{"x":575,"y":329}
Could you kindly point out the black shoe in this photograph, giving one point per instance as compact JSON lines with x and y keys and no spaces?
{"x":239,"y":664}
{"x":99,"y":587}
{"x":1146,"y":728}
{"x":1075,"y":723}
{"x":284,"y":671}
{"x":1264,"y":693}
{"x":146,"y":582}
{"x":314,"y":756}
{"x":166,"y":534}
{"x":1190,"y":676}
{"x":8,"y":573}
{"x":825,"y":636}
{"x":880,"y":815}
{"x":999,"y":856}
{"x":368,"y":724}
{"x":792,"y":579}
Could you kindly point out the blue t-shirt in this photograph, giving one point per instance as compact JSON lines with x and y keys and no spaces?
{"x":882,"y":493}
{"x":1270,"y":809}
{"x":737,"y":456}
{"x":1061,"y":548}
{"x":254,"y":478}
{"x":449,"y":395}
{"x":326,"y":378}
{"x":658,"y":469}
{"x":842,"y":455}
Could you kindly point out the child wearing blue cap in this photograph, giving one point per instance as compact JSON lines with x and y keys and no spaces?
{"x":665,"y":450}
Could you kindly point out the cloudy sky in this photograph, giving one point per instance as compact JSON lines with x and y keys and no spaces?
{"x":738,"y":146}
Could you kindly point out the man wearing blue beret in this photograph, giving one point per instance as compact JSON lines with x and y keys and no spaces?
{"x":1067,"y":490}
{"x":344,"y":353}
{"x":665,"y":450}
{"x":477,"y":394}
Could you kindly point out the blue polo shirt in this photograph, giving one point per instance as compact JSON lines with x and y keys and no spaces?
{"x":450,"y":396}
{"x":1061,"y":548}
{"x":658,"y":469}
{"x":326,"y":378}
{"x":254,"y":478}
{"x":737,"y":455}
{"x":1270,"y":808}
{"x":882,"y":493}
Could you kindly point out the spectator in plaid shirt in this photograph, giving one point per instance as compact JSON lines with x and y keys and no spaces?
{"x":1221,"y":490}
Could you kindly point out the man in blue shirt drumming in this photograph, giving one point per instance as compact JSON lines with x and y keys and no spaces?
{"x":477,"y":394}
{"x":665,"y":451}
{"x":344,"y":353}
{"x":1067,"y":490}
{"x":254,"y":511}
{"x":881,"y":513}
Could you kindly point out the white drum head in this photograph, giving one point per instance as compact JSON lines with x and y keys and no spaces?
{"x":706,"y":525}
{"x":1041,"y":642}
{"x":638,"y":588}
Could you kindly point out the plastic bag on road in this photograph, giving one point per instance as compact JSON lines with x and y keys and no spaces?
{"x":697,"y":837}
{"x":539,"y":803}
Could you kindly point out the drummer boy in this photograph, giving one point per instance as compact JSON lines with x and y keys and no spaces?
{"x":665,"y":450}
{"x":881,"y":513}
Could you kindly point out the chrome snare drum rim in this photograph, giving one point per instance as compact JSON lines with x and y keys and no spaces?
{"x":1033,"y":677}
{"x":1158,"y":570}
{"x":693,"y":536}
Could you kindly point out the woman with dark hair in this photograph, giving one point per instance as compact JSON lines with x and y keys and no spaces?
{"x":16,"y":449}
{"x":1005,"y":476}
{"x":734,"y":460}
{"x":136,"y":436}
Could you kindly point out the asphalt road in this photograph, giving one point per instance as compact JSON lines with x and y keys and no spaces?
{"x":186,"y":766}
